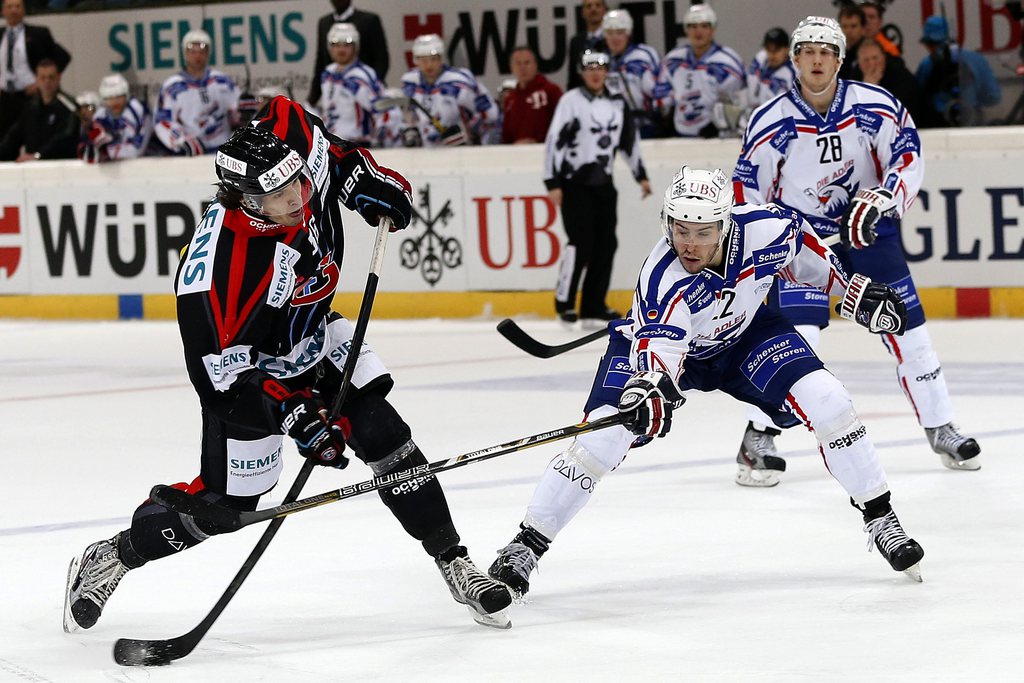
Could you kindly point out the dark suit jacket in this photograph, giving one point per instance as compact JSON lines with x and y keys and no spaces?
{"x":373,"y":47}
{"x":39,"y":45}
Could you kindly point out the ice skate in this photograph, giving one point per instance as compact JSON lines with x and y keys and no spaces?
{"x":568,"y":319}
{"x":599,"y":321}
{"x":958,"y":452}
{"x":901,"y":552}
{"x":513,"y":566}
{"x":92,"y":578}
{"x":485,"y":597}
{"x":758,"y":459}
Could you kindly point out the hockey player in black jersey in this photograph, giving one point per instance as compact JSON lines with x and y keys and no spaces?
{"x":265,"y":354}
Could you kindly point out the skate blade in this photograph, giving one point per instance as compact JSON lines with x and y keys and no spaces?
{"x":498,"y":620}
{"x":969,"y":465}
{"x":914,"y":572}
{"x":747,"y":476}
{"x":70,"y":625}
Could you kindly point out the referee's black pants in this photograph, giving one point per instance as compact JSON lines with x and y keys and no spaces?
{"x":589,"y":214}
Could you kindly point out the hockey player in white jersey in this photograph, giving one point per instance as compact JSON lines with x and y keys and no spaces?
{"x":701,"y":75}
{"x":121,"y":127}
{"x":349,"y":88}
{"x":457,"y":109}
{"x":770,"y":72}
{"x":634,"y":72}
{"x":198,"y":107}
{"x":846,"y":156}
{"x":698,"y":323}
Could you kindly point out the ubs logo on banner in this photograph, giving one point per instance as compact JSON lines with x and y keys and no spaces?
{"x":431,"y":252}
{"x":10,"y":256}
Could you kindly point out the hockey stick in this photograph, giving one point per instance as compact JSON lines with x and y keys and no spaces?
{"x":183,"y":502}
{"x":140,"y":652}
{"x":519,"y":338}
{"x":386,"y":102}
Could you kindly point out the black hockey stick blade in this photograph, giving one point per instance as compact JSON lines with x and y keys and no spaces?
{"x":134,"y":652}
{"x":519,"y":338}
{"x":180,"y":501}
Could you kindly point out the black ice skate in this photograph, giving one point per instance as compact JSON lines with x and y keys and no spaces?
{"x":485,"y":597}
{"x":958,"y":452}
{"x":758,"y":459}
{"x":92,"y":579}
{"x":597,"y":321}
{"x":517,"y":560}
{"x":902,"y":552}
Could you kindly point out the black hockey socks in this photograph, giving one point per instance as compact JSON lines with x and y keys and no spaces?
{"x":419,"y":504}
{"x":157,"y":532}
{"x":532,"y":539}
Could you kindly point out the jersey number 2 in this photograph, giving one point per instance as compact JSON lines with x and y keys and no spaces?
{"x":831,"y":148}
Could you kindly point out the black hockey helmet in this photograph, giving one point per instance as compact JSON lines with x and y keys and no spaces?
{"x":258,"y":164}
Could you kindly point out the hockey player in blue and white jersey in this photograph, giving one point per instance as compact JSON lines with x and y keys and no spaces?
{"x":770,"y":72}
{"x":846,"y":156}
{"x":461,"y":109}
{"x":634,"y":72}
{"x":121,"y":127}
{"x":349,"y":88}
{"x":701,"y":75}
{"x":698,"y":323}
{"x":197,"y":108}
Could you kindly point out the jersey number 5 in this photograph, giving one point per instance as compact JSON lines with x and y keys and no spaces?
{"x":831,"y":148}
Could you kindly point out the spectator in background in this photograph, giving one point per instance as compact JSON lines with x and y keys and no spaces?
{"x":454,"y":107}
{"x":852,"y":23}
{"x":121,"y":128}
{"x":373,"y":46}
{"x":349,"y":88}
{"x":590,"y":38}
{"x":874,"y":15}
{"x":634,"y":72}
{"x":198,"y":107}
{"x":957,"y":83}
{"x":529,"y":106}
{"x":22,"y":48}
{"x":770,"y":72}
{"x":701,"y":74}
{"x":881,"y":69}
{"x":49,"y":126}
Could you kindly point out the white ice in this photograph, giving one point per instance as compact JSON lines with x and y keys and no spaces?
{"x":672,"y":572}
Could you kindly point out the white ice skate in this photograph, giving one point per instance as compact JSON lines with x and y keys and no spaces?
{"x":758,"y":461}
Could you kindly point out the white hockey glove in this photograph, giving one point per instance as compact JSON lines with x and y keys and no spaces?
{"x":647,"y":402}
{"x":874,"y":305}
{"x":857,"y":226}
{"x":190,"y":147}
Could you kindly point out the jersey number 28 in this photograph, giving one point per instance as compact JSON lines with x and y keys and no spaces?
{"x":831,"y":148}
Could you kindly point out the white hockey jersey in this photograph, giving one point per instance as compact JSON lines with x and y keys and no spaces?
{"x":764,"y":82}
{"x":347,"y":101}
{"x":124,"y":136}
{"x":815,"y":164}
{"x":676,"y":314}
{"x":697,"y":84}
{"x":586,"y":131}
{"x":196,"y":112}
{"x":634,"y":74}
{"x":456,"y":98}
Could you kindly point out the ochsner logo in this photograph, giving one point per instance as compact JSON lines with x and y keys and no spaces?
{"x":230,"y":163}
{"x":282,"y":172}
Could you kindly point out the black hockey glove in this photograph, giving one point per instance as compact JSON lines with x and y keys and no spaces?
{"x":304,"y":419}
{"x":857,"y":226}
{"x":874,"y":305}
{"x":647,"y":402}
{"x":454,"y":136}
{"x":373,"y":191}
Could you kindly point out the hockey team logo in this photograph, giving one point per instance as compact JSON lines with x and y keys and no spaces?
{"x":834,"y":191}
{"x":431,"y":252}
{"x":320,"y":286}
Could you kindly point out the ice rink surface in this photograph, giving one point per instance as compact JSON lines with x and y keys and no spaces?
{"x":673,"y":572}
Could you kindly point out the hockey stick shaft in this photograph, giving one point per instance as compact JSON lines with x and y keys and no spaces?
{"x":135,"y":652}
{"x":180,"y":501}
{"x":519,"y":338}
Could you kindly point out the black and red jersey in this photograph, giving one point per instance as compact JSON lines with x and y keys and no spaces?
{"x":254,"y":297}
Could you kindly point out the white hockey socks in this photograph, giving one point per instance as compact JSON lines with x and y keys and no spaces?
{"x":920,"y":376}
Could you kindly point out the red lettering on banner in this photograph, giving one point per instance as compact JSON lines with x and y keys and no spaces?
{"x":483,"y":231}
{"x":988,"y":19}
{"x":412,"y":27}
{"x":532,"y":230}
{"x":10,"y":224}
